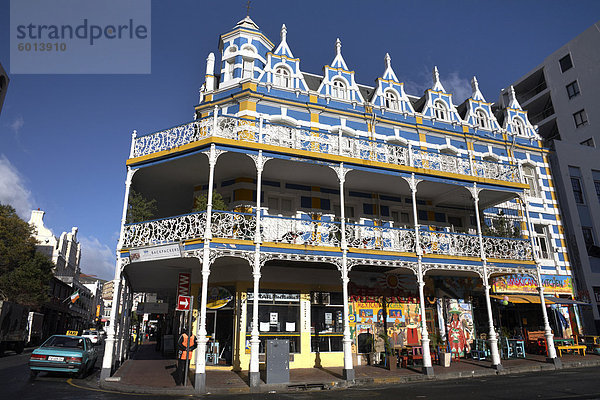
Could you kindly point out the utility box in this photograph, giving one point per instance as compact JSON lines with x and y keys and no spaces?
{"x":277,"y":360}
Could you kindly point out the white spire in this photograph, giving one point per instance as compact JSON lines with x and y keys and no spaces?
{"x":389,"y":72}
{"x":283,"y":33}
{"x":437,"y":85}
{"x":512,"y":99}
{"x":283,"y":48}
{"x":338,"y":61}
{"x":477,"y":95}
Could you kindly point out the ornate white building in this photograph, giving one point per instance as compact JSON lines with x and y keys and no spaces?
{"x":350,"y":210}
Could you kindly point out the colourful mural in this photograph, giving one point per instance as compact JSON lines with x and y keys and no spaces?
{"x":459,"y":325}
{"x":403,"y":321}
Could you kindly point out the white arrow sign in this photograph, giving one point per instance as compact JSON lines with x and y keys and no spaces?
{"x":183,"y":303}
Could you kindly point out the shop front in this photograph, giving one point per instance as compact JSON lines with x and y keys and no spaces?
{"x":518,"y":306}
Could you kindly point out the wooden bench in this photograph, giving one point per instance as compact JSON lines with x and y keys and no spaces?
{"x":574,"y":347}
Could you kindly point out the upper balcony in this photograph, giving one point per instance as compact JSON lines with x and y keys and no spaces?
{"x":322,"y":233}
{"x":319,"y":142}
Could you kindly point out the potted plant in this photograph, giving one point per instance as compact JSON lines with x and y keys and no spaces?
{"x":391,"y":359}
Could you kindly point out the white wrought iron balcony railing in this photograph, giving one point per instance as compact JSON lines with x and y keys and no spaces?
{"x":322,"y":233}
{"x":320,"y":142}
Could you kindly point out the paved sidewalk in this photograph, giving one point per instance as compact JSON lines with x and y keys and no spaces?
{"x":148,"y":372}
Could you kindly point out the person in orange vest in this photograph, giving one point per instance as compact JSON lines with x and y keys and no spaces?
{"x":186,"y":344}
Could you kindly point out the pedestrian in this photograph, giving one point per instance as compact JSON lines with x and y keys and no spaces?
{"x":186,"y":344}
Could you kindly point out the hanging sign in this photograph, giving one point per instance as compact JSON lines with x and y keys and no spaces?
{"x":184,"y":284}
{"x":218,"y":297}
{"x":155,"y":253}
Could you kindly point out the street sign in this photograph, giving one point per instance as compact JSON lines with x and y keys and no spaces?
{"x":184,"y":303}
{"x":184,"y":284}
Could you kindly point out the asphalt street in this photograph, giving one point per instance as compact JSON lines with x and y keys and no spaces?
{"x":569,"y":384}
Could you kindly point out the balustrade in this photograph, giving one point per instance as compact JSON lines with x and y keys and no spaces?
{"x":324,"y":232}
{"x":319,"y":142}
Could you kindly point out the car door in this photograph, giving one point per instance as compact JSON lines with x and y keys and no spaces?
{"x":91,"y":351}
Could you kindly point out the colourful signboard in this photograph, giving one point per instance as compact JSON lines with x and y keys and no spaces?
{"x":553,"y":284}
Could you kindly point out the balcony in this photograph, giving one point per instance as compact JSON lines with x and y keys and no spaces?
{"x":325,"y":232}
{"x":320,"y":142}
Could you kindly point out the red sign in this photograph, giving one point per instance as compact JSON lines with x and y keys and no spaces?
{"x":184,"y":303}
{"x":184,"y":284}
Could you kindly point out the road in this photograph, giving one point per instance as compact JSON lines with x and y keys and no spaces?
{"x":569,"y":384}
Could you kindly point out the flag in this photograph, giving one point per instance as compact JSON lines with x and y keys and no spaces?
{"x":74,"y":296}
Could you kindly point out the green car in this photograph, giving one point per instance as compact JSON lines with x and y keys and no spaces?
{"x":62,"y":353}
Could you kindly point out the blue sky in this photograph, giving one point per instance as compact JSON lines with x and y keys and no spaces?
{"x":64,"y":139}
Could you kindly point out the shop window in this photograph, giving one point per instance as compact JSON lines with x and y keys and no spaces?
{"x":278,"y":317}
{"x":573,"y":89}
{"x":565,"y":63}
{"x":327,"y":321}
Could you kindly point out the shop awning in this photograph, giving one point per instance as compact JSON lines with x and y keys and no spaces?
{"x":558,"y":300}
{"x":521,"y":298}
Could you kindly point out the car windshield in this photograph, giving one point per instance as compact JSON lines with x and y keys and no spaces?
{"x":63,"y":341}
{"x":89,"y":333}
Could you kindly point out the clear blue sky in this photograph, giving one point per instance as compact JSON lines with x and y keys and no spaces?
{"x":64,"y":139}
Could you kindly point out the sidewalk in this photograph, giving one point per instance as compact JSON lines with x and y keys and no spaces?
{"x":148,"y":372}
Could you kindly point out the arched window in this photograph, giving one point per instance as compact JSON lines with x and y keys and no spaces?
{"x":440,"y":109}
{"x":282,"y":77}
{"x":518,"y":126}
{"x":391,"y":100}
{"x":339,"y":90}
{"x":481,"y":119}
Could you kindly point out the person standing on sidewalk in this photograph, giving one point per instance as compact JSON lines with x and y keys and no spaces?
{"x":186,"y":344}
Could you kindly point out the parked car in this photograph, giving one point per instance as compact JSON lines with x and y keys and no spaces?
{"x":93,"y":335}
{"x":62,"y":353}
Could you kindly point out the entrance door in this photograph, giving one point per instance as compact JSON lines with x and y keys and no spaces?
{"x":224,"y":334}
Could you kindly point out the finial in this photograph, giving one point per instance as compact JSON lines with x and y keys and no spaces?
{"x":476,"y":93}
{"x":512,"y":98}
{"x":248,"y":8}
{"x":338,"y":46}
{"x":437,"y":85}
{"x":474,"y":85}
{"x":388,"y":60}
{"x":283,"y":33}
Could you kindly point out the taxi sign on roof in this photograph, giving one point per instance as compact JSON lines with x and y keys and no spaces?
{"x":72,"y":333}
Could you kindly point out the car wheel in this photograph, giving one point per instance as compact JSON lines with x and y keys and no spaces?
{"x":82,"y":372}
{"x":33,"y":373}
{"x":19,"y":347}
